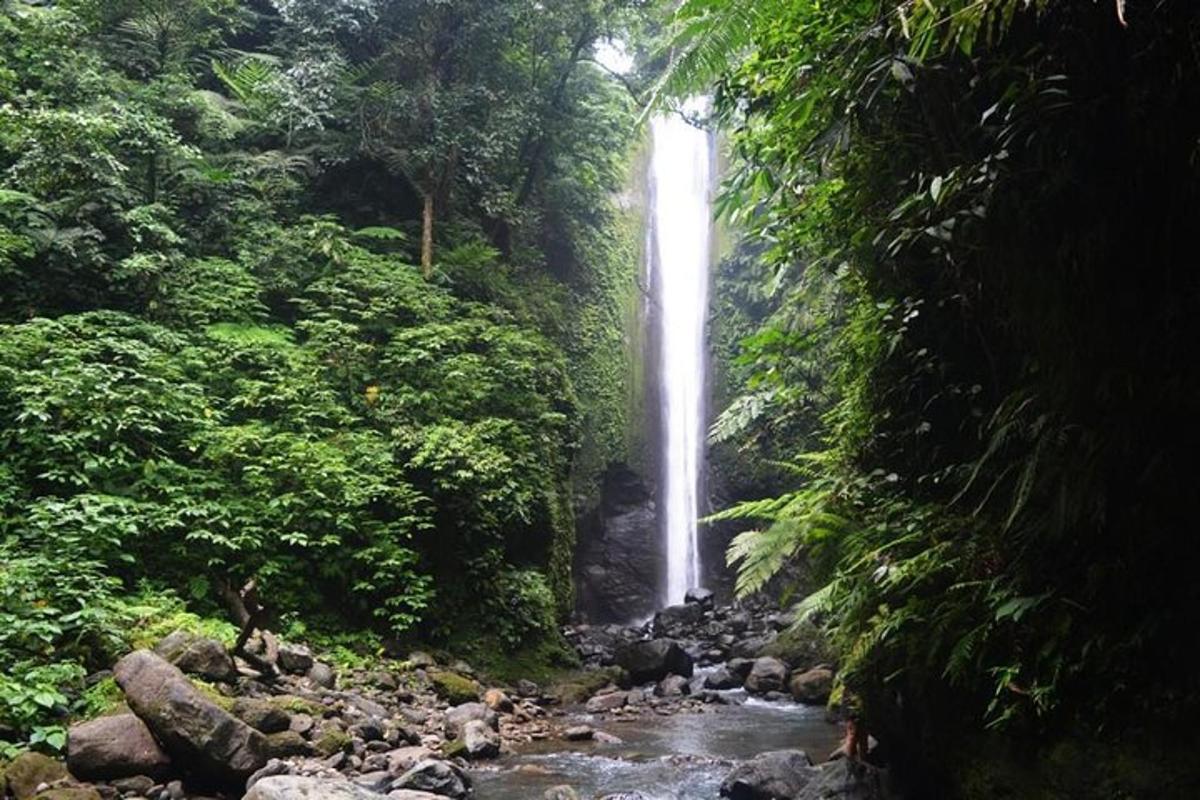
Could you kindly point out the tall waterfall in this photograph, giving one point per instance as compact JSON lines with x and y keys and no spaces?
{"x":681,"y":228}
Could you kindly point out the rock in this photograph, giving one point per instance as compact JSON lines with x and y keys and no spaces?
{"x":437,"y":777}
{"x":701,"y":597}
{"x":453,"y":688}
{"x":262,"y":715}
{"x":459,"y":716}
{"x":402,"y":759}
{"x":322,"y":675}
{"x":812,"y":687}
{"x":528,"y":688}
{"x":579,"y":733}
{"x":332,"y":740}
{"x":274,"y":767}
{"x":676,"y":620}
{"x":497,"y":700}
{"x":626,"y":796}
{"x":28,"y":771}
{"x":779,"y":774}
{"x":284,"y":744}
{"x":563,"y":792}
{"x":753,"y":646}
{"x":607,"y":702}
{"x":845,"y":780}
{"x":175,"y":790}
{"x":193,"y":730}
{"x":722,"y":678}
{"x":119,"y":746}
{"x":69,"y":793}
{"x":801,"y":647}
{"x":197,"y":655}
{"x":673,"y":686}
{"x":654,"y":660}
{"x":301,"y":723}
{"x":134,"y":785}
{"x":767,"y":675}
{"x":374,"y":781}
{"x":296,"y":787}
{"x":479,"y":740}
{"x":295,"y":659}
{"x":421,"y":660}
{"x":607,"y":738}
{"x":406,"y":794}
{"x":740,"y":667}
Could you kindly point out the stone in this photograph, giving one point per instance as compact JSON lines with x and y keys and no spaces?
{"x":753,"y":646}
{"x":69,"y":793}
{"x":607,"y":702}
{"x":654,"y":660}
{"x":497,"y":700}
{"x":722,"y":678}
{"x":767,"y":675}
{"x":284,"y":744}
{"x":296,"y":787}
{"x":195,"y":732}
{"x":119,"y":746}
{"x":133,"y":785}
{"x":29,"y":771}
{"x":198,"y":655}
{"x":579,"y":733}
{"x":778,"y":774}
{"x":295,"y":659}
{"x":528,"y":688}
{"x":673,"y":686}
{"x":453,"y":688}
{"x":262,"y":715}
{"x":301,"y":723}
{"x":402,"y":759}
{"x":421,"y":660}
{"x":701,"y":597}
{"x":437,"y":777}
{"x":812,"y":687}
{"x":378,"y":781}
{"x":740,"y":667}
{"x":322,"y":675}
{"x":676,"y":620}
{"x":479,"y":740}
{"x":274,"y":767}
{"x":563,"y":792}
{"x":407,"y":794}
{"x":845,"y":780}
{"x":460,"y":715}
{"x":607,"y":738}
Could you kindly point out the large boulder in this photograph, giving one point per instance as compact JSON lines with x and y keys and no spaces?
{"x":678,"y":620}
{"x":460,"y":715}
{"x":845,"y":780}
{"x":29,"y":771}
{"x":262,"y":715}
{"x":436,"y":777}
{"x":700,"y":596}
{"x":779,"y":774}
{"x":296,"y":787}
{"x":767,"y":675}
{"x":812,"y":687}
{"x":119,"y":746}
{"x":673,"y":686}
{"x":479,"y":740}
{"x":722,"y":678}
{"x":295,"y":659}
{"x":199,"y":656}
{"x":609,"y":701}
{"x":654,"y":660}
{"x":195,"y":731}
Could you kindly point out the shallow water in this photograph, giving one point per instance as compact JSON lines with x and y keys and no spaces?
{"x":679,"y":757}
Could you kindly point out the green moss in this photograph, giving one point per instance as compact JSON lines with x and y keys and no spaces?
{"x":802,"y":646}
{"x":454,"y":748}
{"x":101,"y":700}
{"x":542,"y":661}
{"x":577,"y":686}
{"x":331,"y":741}
{"x":297,"y":705}
{"x":211,"y":692}
{"x":454,"y":688}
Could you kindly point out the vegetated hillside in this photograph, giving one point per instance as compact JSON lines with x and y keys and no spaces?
{"x":326,"y":295}
{"x":979,"y":351}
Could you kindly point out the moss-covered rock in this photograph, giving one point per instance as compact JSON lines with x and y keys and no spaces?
{"x":577,"y":687}
{"x":292,"y":704}
{"x":802,"y":646}
{"x":330,"y":741}
{"x":28,"y":771}
{"x":454,"y":688}
{"x":69,"y":793}
{"x":286,"y":744}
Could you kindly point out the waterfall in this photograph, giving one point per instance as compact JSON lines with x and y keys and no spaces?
{"x":681,"y":227}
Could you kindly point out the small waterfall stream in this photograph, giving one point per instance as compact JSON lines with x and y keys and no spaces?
{"x":681,"y":232}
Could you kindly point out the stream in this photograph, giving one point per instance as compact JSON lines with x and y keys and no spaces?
{"x":682,"y":756}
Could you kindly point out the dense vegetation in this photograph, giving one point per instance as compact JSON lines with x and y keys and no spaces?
{"x":978,"y":348}
{"x":218,"y":361}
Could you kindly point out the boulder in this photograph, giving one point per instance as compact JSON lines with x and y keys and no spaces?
{"x":676,"y":620}
{"x":408,"y":794}
{"x":284,"y":744}
{"x":778,"y":774}
{"x":120,"y":746}
{"x":137,"y":785}
{"x":740,"y":667}
{"x":198,"y":655}
{"x":453,"y":688}
{"x":722,"y":678}
{"x":607,"y":702}
{"x":845,"y":780}
{"x":437,"y":777}
{"x":812,"y":687}
{"x":402,"y":759}
{"x":479,"y":740}
{"x":460,"y":715}
{"x":70,"y":793}
{"x":421,"y":660}
{"x":579,"y":733}
{"x":528,"y":688}
{"x":701,"y":597}
{"x":274,"y":767}
{"x":28,"y":771}
{"x":262,"y":715}
{"x":767,"y":675}
{"x":498,"y":701}
{"x":322,"y":675}
{"x":295,"y":658}
{"x":562,"y":792}
{"x":654,"y":660}
{"x":194,"y":731}
{"x":296,"y":787}
{"x":673,"y":686}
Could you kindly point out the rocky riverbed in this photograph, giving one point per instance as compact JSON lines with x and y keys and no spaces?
{"x":700,"y":701}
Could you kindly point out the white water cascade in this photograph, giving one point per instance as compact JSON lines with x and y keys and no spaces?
{"x":681,"y":236}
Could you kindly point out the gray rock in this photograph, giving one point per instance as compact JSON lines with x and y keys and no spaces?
{"x":607,"y":702}
{"x":699,"y":596}
{"x":197,"y":655}
{"x":673,"y":686}
{"x":322,"y":675}
{"x":528,"y":688}
{"x":479,"y":740}
{"x":437,"y":777}
{"x":654,"y":660}
{"x":812,"y":687}
{"x":845,"y":780}
{"x":740,"y":667}
{"x":767,"y":675}
{"x":377,"y":781}
{"x":406,"y":794}
{"x":119,"y":746}
{"x":296,"y":787}
{"x":579,"y":733}
{"x":498,"y":701}
{"x":295,"y":659}
{"x":676,"y":620}
{"x":402,"y":759}
{"x":274,"y":767}
{"x":722,"y":678}
{"x":460,"y":715}
{"x":563,"y":792}
{"x":421,"y":660}
{"x":779,"y":774}
{"x":261,"y":715}
{"x":195,"y":732}
{"x":134,"y":785}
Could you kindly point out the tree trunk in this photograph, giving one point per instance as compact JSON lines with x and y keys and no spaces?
{"x":427,"y":238}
